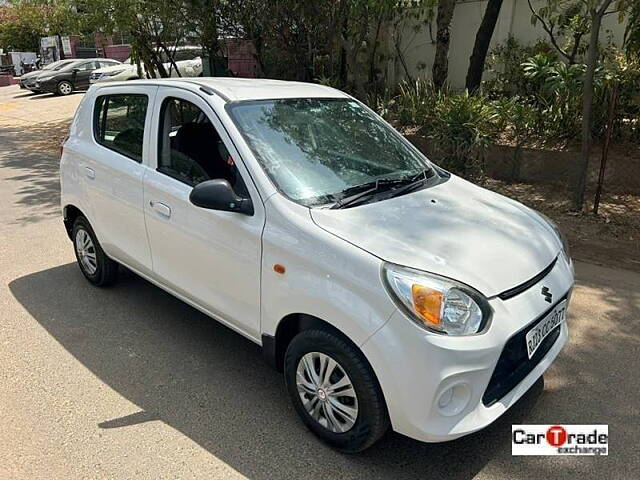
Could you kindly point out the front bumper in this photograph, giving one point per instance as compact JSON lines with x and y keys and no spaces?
{"x":29,"y":84}
{"x":48,"y":86}
{"x":416,"y":368}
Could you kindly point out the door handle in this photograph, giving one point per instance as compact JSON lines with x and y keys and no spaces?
{"x":91,"y":173}
{"x":161,"y":208}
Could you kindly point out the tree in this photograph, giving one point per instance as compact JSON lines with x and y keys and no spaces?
{"x":23,"y":22}
{"x":440,"y":70}
{"x":596,"y":9}
{"x":481,"y":45}
{"x":580,"y":17}
{"x":632,"y":32}
{"x":339,"y":42}
{"x":155,"y":28}
{"x":565,"y":22}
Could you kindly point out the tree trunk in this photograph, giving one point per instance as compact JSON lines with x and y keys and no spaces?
{"x":613,"y":101}
{"x":587,"y":105}
{"x":441,"y":60}
{"x":481,"y":46}
{"x":517,"y":159}
{"x":374,"y":49}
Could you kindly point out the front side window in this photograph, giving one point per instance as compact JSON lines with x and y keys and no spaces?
{"x":314,"y":149}
{"x":190,"y":149}
{"x":119,"y":123}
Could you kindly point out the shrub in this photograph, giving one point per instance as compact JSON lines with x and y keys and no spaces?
{"x":383,"y":103}
{"x":416,"y":102}
{"x":463,"y":127}
{"x":505,"y":75}
{"x":518,"y":121}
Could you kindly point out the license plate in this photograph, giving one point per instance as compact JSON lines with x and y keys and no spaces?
{"x":537,"y":334}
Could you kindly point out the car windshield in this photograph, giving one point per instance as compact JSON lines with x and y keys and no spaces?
{"x":70,"y":65}
{"x":57,"y":65}
{"x":314,"y":149}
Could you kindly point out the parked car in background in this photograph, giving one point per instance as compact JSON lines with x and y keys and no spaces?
{"x":71,"y":76}
{"x":391,"y":292}
{"x":28,"y":80}
{"x":187,"y":59}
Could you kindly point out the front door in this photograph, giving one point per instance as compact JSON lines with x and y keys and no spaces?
{"x":209,"y":257}
{"x":82,"y":73}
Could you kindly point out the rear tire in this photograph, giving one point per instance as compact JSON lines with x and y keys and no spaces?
{"x":334,"y":390}
{"x":64,"y":88}
{"x":99,"y":269}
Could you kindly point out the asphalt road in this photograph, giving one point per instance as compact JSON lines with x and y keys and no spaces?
{"x":129,"y":382}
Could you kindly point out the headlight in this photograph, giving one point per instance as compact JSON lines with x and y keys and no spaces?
{"x":437,"y":303}
{"x":563,"y":239}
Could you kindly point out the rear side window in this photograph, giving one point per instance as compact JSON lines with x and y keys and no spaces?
{"x":119,"y":123}
{"x":190,"y":54}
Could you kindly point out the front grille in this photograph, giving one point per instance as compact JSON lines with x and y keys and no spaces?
{"x":514,"y":364}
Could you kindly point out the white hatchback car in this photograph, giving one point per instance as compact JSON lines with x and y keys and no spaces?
{"x":389,"y":291}
{"x":187,"y":60}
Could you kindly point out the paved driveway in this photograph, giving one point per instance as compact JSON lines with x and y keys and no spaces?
{"x":129,"y":382}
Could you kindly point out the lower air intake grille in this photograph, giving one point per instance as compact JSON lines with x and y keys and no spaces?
{"x":514,"y":364}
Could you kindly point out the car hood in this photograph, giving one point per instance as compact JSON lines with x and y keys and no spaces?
{"x":454,"y":229}
{"x":114,"y":68}
{"x":33,"y":74}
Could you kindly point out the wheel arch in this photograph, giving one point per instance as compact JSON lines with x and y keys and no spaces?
{"x":69,"y":214}
{"x":275,"y":346}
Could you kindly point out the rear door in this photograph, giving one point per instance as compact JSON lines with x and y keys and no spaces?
{"x":114,"y":172}
{"x":210,"y":257}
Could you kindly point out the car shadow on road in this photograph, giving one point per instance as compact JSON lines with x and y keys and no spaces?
{"x":33,"y":154}
{"x":44,"y":95}
{"x":184,"y":369}
{"x":28,"y":93}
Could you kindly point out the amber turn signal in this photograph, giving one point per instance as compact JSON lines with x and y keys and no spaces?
{"x":427,"y":303}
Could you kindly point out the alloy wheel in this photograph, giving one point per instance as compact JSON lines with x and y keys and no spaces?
{"x":65,"y":88}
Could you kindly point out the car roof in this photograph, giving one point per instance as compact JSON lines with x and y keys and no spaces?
{"x":245,"y":89}
{"x":95,"y":59}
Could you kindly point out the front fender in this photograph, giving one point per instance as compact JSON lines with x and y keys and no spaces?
{"x":324,"y":277}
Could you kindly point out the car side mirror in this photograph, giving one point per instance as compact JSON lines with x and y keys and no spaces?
{"x":219,"y":195}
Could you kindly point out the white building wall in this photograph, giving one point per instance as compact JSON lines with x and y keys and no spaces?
{"x":515,"y":18}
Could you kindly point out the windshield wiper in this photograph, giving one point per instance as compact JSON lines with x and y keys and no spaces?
{"x":349,"y":199}
{"x":380,"y":185}
{"x":416,"y":182}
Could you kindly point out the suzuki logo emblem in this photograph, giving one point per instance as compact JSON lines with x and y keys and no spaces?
{"x":548,"y":297}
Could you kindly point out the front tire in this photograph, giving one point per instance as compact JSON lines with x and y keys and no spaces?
{"x":64,"y":88}
{"x":334,"y":390}
{"x":99,"y":269}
